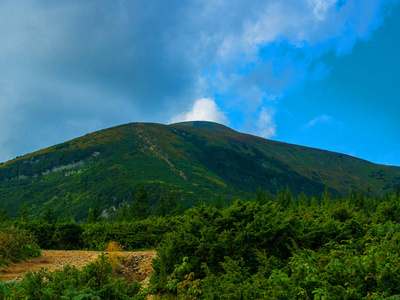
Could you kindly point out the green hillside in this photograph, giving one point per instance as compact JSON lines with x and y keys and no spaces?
{"x":196,"y":160}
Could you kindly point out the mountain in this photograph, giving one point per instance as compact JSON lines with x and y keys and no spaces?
{"x":196,"y":160}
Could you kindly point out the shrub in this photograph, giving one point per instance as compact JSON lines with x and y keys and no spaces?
{"x":68,"y":236}
{"x":94,"y":281}
{"x":16,"y":244}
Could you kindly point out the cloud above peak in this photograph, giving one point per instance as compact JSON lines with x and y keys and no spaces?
{"x":203,"y":110}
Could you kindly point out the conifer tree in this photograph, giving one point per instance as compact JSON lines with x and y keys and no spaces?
{"x":352,"y":196}
{"x":141,"y":204}
{"x":123,"y":212}
{"x":280,"y":196}
{"x":302,"y":199}
{"x":288,"y":197}
{"x":260,"y":198}
{"x":314,"y":202}
{"x":50,"y":216}
{"x":361,"y":199}
{"x":4,"y":213}
{"x":94,"y":214}
{"x":267,"y":196}
{"x":24,"y":213}
{"x":162,"y":208}
{"x":171,"y":201}
{"x":218,"y":203}
{"x":327,"y":195}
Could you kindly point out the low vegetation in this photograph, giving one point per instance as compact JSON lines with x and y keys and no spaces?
{"x":303,"y":248}
{"x":281,"y":247}
{"x":94,"y":281}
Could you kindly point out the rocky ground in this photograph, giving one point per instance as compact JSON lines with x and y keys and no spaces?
{"x":135,"y":266}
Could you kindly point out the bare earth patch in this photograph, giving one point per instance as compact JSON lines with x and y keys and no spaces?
{"x":136,"y":265}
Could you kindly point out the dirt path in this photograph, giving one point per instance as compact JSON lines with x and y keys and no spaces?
{"x":136,"y":266}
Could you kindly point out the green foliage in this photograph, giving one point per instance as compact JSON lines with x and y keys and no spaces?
{"x":168,"y":205}
{"x":95,"y":236}
{"x":44,"y":232}
{"x":131,"y":235}
{"x":68,"y":236}
{"x":162,"y":206}
{"x":123,"y":213}
{"x":141,"y":205}
{"x":4,"y":214}
{"x":335,"y":250}
{"x":94,"y":282}
{"x":288,"y":248}
{"x":260,"y":197}
{"x":94,"y":214}
{"x":50,"y":216}
{"x":24,"y":213}
{"x":16,"y":244}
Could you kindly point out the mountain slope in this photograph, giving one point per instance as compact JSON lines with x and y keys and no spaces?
{"x":197,"y":160}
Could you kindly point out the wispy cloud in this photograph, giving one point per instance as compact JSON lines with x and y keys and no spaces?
{"x":322,"y":119}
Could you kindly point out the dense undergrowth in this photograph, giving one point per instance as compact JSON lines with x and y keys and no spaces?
{"x":284,"y":251}
{"x":282,"y":248}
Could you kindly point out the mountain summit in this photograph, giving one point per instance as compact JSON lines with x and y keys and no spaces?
{"x":196,"y":160}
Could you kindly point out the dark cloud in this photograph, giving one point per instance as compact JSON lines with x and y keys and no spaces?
{"x":72,"y":67}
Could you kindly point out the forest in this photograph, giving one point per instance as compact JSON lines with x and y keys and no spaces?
{"x":272,"y":247}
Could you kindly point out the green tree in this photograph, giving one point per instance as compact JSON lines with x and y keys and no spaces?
{"x":288,"y":197}
{"x":302,"y":199}
{"x":361,"y":199}
{"x":285,"y":199}
{"x":260,"y":197}
{"x":267,"y":196}
{"x":50,"y":216}
{"x":123,"y":212}
{"x":172,"y":203}
{"x":4,"y":213}
{"x":24,"y":213}
{"x":218,"y":203}
{"x":352,"y":197}
{"x":94,"y":214}
{"x":141,"y":204}
{"x":162,"y":208}
{"x":326,"y":195}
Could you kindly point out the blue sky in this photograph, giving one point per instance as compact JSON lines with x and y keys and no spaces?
{"x":319,"y":73}
{"x":355,"y":108}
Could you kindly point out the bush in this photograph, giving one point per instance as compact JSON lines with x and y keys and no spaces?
{"x":68,"y":236}
{"x":94,"y":281}
{"x":16,"y":244}
{"x":43,"y":232}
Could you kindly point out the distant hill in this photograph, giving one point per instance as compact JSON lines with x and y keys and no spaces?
{"x":197,"y":160}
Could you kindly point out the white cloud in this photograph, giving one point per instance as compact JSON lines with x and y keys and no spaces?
{"x":266,"y":126}
{"x":203,"y":110}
